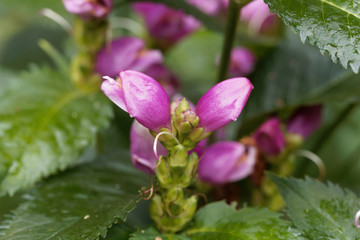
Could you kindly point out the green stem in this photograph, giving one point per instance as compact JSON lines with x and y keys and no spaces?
{"x":230,"y":32}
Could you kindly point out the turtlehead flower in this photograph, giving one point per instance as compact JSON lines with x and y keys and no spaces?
{"x":223,"y":103}
{"x":305,"y":120}
{"x":145,"y":100}
{"x":165,"y":77}
{"x":126,"y":53}
{"x":88,"y":9}
{"x":211,"y":7}
{"x":141,"y":148}
{"x":242,"y":62}
{"x":258,"y":17}
{"x":269,"y":137}
{"x":225,"y":162}
{"x":142,"y":97}
{"x":165,"y":24}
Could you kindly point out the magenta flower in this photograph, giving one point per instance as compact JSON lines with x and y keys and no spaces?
{"x":165,"y":24}
{"x":223,"y":103}
{"x":126,"y":53}
{"x":258,"y":16}
{"x":225,"y":162}
{"x":269,"y":137}
{"x":88,"y":9}
{"x":211,"y":7}
{"x":145,"y":100}
{"x":305,"y":120}
{"x":141,"y":148}
{"x":166,"y":78}
{"x":142,"y":97}
{"x":242,"y":62}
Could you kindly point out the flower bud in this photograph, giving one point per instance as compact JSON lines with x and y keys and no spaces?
{"x":142,"y":97}
{"x":126,"y":53}
{"x":258,"y":17}
{"x":269,"y":137}
{"x":225,"y":162}
{"x":223,"y":103}
{"x":88,"y":9}
{"x":185,"y":118}
{"x":242,"y":62}
{"x":305,"y":120}
{"x":141,"y":148}
{"x":211,"y":7}
{"x":165,"y":24}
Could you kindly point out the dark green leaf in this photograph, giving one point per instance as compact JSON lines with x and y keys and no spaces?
{"x":296,"y":74}
{"x":320,"y":211}
{"x":45,"y":124}
{"x":220,"y":221}
{"x":153,"y":234}
{"x":81,"y":203}
{"x":333,"y":25}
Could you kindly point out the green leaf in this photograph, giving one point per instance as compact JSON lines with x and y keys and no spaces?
{"x":333,"y":25}
{"x":221,"y":221}
{"x":81,"y":203}
{"x":151,"y":234}
{"x":321,"y":211}
{"x":296,"y":74}
{"x":45,"y":125}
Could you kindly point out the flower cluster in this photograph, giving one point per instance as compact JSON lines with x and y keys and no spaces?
{"x":88,"y":9}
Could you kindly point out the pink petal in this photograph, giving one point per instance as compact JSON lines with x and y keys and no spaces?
{"x":146,"y":100}
{"x":223,"y":103}
{"x":305,"y":120}
{"x":114,"y":91}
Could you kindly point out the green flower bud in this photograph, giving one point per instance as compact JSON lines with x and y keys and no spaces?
{"x":178,"y":156}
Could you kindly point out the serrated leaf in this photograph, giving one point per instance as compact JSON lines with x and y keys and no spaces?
{"x":45,"y":124}
{"x":81,"y":203}
{"x":296,"y":74}
{"x":321,"y":211}
{"x":221,"y":221}
{"x":332,"y":25}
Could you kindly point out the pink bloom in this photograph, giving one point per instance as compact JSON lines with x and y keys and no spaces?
{"x":165,"y":24}
{"x":126,"y":53}
{"x":223,"y":103}
{"x":142,"y":97}
{"x":211,"y":7}
{"x":305,"y":120}
{"x":269,"y":137}
{"x":141,"y":148}
{"x":258,"y":17}
{"x":242,"y":62}
{"x":145,"y":100}
{"x":89,"y":8}
{"x":225,"y":162}
{"x":167,"y":79}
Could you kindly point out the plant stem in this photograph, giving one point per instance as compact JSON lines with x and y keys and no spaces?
{"x":230,"y":32}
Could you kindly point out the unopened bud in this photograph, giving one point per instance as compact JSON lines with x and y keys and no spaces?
{"x":186,"y":121}
{"x":178,"y":156}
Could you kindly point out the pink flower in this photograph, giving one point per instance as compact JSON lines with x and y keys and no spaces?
{"x":211,"y":7}
{"x":258,"y":16}
{"x":305,"y":120}
{"x":142,"y":97}
{"x":225,"y":162}
{"x":269,"y":137}
{"x":242,"y":62}
{"x":141,"y":148}
{"x":145,"y":100}
{"x":165,"y":24}
{"x":223,"y":103}
{"x":89,"y":8}
{"x":126,"y":53}
{"x":166,"y":78}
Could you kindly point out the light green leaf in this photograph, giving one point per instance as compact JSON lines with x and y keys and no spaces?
{"x":220,"y":221}
{"x":45,"y":125}
{"x":81,"y":203}
{"x":151,"y":234}
{"x":333,"y":25}
{"x":321,"y":211}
